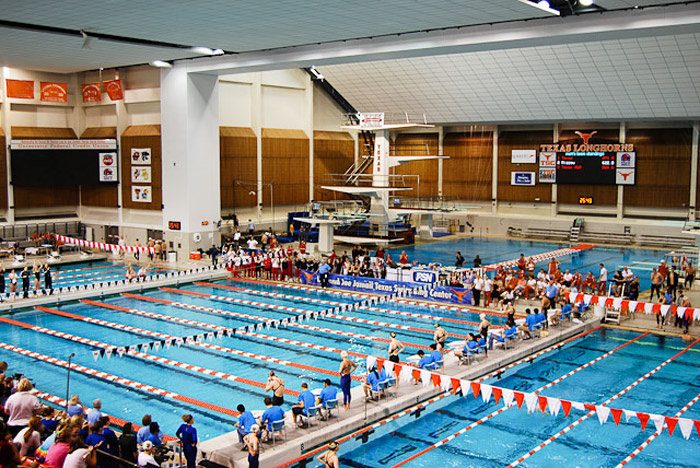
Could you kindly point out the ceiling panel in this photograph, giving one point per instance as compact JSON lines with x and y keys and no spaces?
{"x":643,"y":78}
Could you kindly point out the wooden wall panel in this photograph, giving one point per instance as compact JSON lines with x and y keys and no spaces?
{"x":508,"y":141}
{"x":663,"y":168}
{"x":417,"y":144}
{"x":238,"y":150}
{"x":106,"y":195}
{"x":467,"y":174}
{"x":44,"y":197}
{"x":285,"y":155}
{"x":603,"y":195}
{"x":142,"y":136}
{"x":334,"y":153}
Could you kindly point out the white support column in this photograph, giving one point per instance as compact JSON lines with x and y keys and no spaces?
{"x":621,"y":188}
{"x":310,"y":132}
{"x":7,"y":129}
{"x":555,"y":189}
{"x":441,"y":149}
{"x":122,"y":124}
{"x":694,"y":171}
{"x":494,"y":171}
{"x":191,"y":169}
{"x":257,"y":119}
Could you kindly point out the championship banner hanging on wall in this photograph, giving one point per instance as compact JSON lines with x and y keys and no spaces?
{"x":20,"y":89}
{"x":92,"y":92}
{"x":114,"y":90}
{"x":54,"y":92}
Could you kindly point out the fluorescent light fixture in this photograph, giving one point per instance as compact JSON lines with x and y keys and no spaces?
{"x":585,"y":3}
{"x":206,"y":50}
{"x":542,"y":5}
{"x":317,"y":74}
{"x":161,"y":64}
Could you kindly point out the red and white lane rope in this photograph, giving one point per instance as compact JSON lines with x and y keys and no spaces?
{"x":145,"y":356}
{"x":542,"y":256}
{"x":605,"y":403}
{"x":272,"y":294}
{"x":302,"y":311}
{"x":119,"y":380}
{"x":656,"y":434}
{"x":504,"y":408}
{"x":299,"y":287}
{"x":263,"y":319}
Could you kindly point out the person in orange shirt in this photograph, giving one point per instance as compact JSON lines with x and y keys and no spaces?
{"x":403,"y":259}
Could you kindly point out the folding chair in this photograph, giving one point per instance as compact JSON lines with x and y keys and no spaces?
{"x":277,"y":426}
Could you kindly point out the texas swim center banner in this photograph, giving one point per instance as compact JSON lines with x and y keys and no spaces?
{"x":445,"y":294}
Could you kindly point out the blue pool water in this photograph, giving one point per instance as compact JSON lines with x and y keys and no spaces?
{"x":511,"y":434}
{"x":96,"y":272}
{"x":130,"y":404}
{"x":492,"y":250}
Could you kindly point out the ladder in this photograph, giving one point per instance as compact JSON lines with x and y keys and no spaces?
{"x":574,"y":234}
{"x":613,"y":316}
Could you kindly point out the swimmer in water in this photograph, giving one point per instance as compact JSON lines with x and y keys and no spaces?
{"x":330,"y":457}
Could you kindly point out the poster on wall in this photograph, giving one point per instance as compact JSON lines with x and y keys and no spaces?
{"x":624,"y":176}
{"x":141,"y":193}
{"x":91,"y":92}
{"x":523,"y":156}
{"x":548,"y":175}
{"x":141,"y":175}
{"x":522,"y":178}
{"x":626,"y":160}
{"x":548,"y":159}
{"x":54,"y":92}
{"x":114,"y":89}
{"x":141,"y":156}
{"x":108,"y":167}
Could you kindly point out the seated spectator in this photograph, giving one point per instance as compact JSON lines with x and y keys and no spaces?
{"x":74,"y":406}
{"x":425,"y":360}
{"x":94,"y":413}
{"x":128,"y":449}
{"x":146,"y":457}
{"x":80,"y":456}
{"x":305,"y":402}
{"x":371,"y":383}
{"x":436,"y":357}
{"x":273,"y":413}
{"x":21,"y":406}
{"x":155,"y":436}
{"x":245,"y":422}
{"x":29,"y":438}
{"x":525,"y":329}
{"x":328,"y":393}
{"x":142,"y":433}
{"x":59,"y":450}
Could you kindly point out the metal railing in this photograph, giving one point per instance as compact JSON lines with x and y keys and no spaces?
{"x":25,"y":231}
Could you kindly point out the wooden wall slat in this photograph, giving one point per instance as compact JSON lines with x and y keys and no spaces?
{"x":663,"y":168}
{"x":334,"y":153}
{"x":418,"y":144}
{"x":104,"y":195}
{"x":99,"y":133}
{"x":43,"y":133}
{"x":508,"y":141}
{"x":142,"y":136}
{"x":285,"y":155}
{"x":238,"y":150}
{"x":3,"y":171}
{"x":467,"y":174}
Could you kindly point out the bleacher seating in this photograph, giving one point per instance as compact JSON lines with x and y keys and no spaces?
{"x":666,"y":241}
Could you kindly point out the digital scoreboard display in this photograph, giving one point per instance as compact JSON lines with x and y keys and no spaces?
{"x":586,"y":168}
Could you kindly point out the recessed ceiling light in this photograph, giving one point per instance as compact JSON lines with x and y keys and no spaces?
{"x":585,"y":3}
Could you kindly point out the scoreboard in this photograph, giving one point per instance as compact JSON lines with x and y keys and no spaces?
{"x":586,"y":168}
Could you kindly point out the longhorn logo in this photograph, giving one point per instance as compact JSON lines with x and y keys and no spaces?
{"x":585,"y":136}
{"x":308,"y":276}
{"x":460,"y":295}
{"x":625,"y":175}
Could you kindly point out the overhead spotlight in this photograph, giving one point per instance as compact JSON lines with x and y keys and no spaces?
{"x":543,"y":5}
{"x":161,"y":64}
{"x":87,"y":40}
{"x":317,"y":74}
{"x":206,"y":50}
{"x":585,"y":3}
{"x":218,"y":52}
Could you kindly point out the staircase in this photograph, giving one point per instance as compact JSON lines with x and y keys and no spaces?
{"x":574,"y":234}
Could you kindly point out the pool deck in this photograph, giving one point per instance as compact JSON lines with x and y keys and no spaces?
{"x":226,"y":450}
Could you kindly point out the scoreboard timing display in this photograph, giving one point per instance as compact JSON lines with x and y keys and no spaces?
{"x":586,"y":168}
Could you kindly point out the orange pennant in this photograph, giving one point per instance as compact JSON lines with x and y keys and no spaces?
{"x":436,"y":379}
{"x":644,"y":418}
{"x":455,"y":384}
{"x":476,"y":388}
{"x":543,"y":403}
{"x":380,"y":364}
{"x":497,"y":392}
{"x":671,"y":423}
{"x":566,"y":406}
{"x":397,"y":369}
{"x":519,"y":398}
{"x":416,"y":374}
{"x":617,"y":414}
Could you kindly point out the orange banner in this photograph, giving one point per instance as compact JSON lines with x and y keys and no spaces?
{"x":92,"y":92}
{"x":114,"y":89}
{"x":54,"y":92}
{"x":22,"y":89}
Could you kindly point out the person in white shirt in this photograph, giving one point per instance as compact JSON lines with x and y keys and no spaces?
{"x":602,"y":280}
{"x":146,"y":457}
{"x":476,"y":292}
{"x":627,"y":274}
{"x":80,"y":457}
{"x":487,"y":291}
{"x":252,"y":243}
{"x":29,"y":438}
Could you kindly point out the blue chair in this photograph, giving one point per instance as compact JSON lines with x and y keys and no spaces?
{"x":311,"y":413}
{"x":277,"y":427}
{"x":537,"y":328}
{"x":332,"y":405}
{"x":483,"y":345}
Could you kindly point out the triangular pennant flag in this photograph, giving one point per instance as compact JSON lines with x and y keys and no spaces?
{"x":455,"y":384}
{"x":497,"y":394}
{"x":617,"y":415}
{"x":671,"y":424}
{"x":629,"y":414}
{"x":416,"y":374}
{"x":519,"y":398}
{"x":108,"y":352}
{"x":168,"y":343}
{"x":121,"y":350}
{"x":268,"y":324}
{"x":697,"y":427}
{"x":96,"y":354}
{"x":508,"y":396}
{"x":531,"y":402}
{"x":603,"y":412}
{"x":425,"y":378}
{"x":179,"y":342}
{"x":436,"y":379}
{"x":644,"y":418}
{"x":445,"y":383}
{"x":380,"y":364}
{"x":542,"y":400}
{"x":566,"y":406}
{"x":102,"y":353}
{"x":476,"y":388}
{"x":686,"y":426}
{"x":658,"y":421}
{"x":210,"y":335}
{"x":554,"y":405}
{"x":156,"y":346}
{"x":132,"y":349}
{"x":587,"y":406}
{"x":220,"y":333}
{"x":486,"y":391}
{"x":200,"y":338}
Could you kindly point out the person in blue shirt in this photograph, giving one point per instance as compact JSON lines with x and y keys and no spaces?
{"x":328,"y":393}
{"x":188,"y":436}
{"x":273,"y":413}
{"x":526,"y":328}
{"x":94,"y":413}
{"x":435,"y":356}
{"x":540,"y":317}
{"x":323,"y":269}
{"x":371,"y":383}
{"x":142,"y":434}
{"x":245,"y":422}
{"x":425,"y":360}
{"x":155,"y":436}
{"x":306,"y":401}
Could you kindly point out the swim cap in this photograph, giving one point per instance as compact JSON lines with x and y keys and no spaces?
{"x":482,"y":316}
{"x":333,"y":445}
{"x":343,"y":354}
{"x":254,"y":428}
{"x":437,"y":325}
{"x":148,"y":445}
{"x":392,"y":334}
